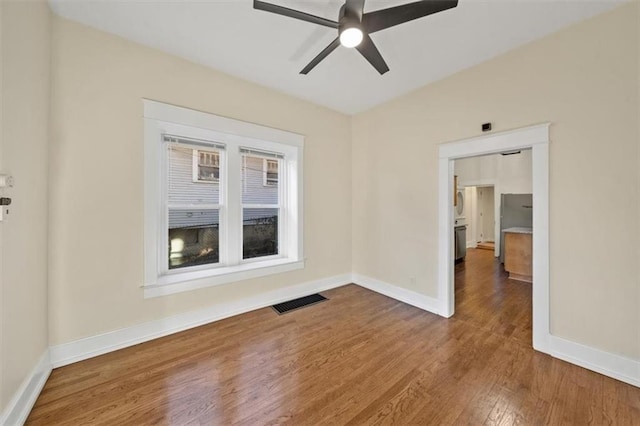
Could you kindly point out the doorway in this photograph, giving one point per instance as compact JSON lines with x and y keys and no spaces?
{"x":481,"y":217}
{"x":485,"y":217}
{"x":487,"y":294}
{"x":537,"y":139}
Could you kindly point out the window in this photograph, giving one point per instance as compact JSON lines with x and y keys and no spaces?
{"x":248,"y":224}
{"x":206,"y":166}
{"x":260,"y":205}
{"x":192,"y":210}
{"x":270,"y":172}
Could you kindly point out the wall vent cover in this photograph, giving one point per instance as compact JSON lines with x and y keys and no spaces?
{"x":291,"y":305}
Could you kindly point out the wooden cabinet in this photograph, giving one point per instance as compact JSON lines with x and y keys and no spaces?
{"x":518,"y":257}
{"x":455,"y":190}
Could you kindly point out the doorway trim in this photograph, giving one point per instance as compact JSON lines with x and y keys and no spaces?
{"x":537,"y":138}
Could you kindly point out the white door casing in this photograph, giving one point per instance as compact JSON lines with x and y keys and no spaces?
{"x":537,"y":138}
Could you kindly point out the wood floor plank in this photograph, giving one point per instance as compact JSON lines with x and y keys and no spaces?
{"x":359,"y":358}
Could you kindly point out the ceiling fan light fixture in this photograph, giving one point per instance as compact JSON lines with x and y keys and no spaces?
{"x":355,"y":26}
{"x":351,"y":37}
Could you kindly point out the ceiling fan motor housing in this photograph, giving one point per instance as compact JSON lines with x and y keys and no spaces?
{"x":348,"y":18}
{"x":350,"y":31}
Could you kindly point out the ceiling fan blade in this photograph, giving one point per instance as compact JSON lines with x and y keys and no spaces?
{"x":355,"y":8}
{"x":330,"y":48}
{"x":285,"y":11}
{"x":385,"y":18}
{"x":372,"y":54}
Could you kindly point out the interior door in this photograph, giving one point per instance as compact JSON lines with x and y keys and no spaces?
{"x":486,"y":213}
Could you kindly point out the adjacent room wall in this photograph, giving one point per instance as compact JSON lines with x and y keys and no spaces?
{"x":512,"y":173}
{"x":24,"y":133}
{"x":96,"y":208}
{"x":584,"y":80}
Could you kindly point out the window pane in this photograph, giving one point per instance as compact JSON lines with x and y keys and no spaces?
{"x":208,"y":166}
{"x":271,"y":178}
{"x":193,"y":237}
{"x":193,"y":175}
{"x":255,"y":189}
{"x":259,"y":232}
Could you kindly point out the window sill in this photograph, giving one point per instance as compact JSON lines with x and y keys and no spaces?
{"x":187,"y":281}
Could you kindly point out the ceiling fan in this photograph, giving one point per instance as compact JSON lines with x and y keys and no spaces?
{"x":354,"y":26}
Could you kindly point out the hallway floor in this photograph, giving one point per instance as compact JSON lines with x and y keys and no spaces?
{"x":486,"y":298}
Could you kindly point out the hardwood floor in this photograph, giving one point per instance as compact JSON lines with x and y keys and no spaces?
{"x":359,"y":358}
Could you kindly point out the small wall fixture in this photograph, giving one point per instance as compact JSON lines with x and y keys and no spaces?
{"x":6,"y":180}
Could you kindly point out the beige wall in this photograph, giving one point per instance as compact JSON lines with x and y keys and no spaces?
{"x":96,"y":208}
{"x":637,"y":319}
{"x":25,"y":53}
{"x":584,"y":80}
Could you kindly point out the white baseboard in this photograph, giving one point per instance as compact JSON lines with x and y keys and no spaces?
{"x":618,"y":367}
{"x":402,"y":294}
{"x":19,"y":407}
{"x":89,"y":347}
{"x":611,"y":365}
{"x":615,"y":366}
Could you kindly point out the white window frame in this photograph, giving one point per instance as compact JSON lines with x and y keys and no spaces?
{"x":265,"y":171}
{"x":195,"y":170}
{"x":160,"y":119}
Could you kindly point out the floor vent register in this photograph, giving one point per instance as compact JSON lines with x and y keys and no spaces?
{"x":292,"y":305}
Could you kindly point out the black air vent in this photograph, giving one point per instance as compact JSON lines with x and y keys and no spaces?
{"x":284,"y":307}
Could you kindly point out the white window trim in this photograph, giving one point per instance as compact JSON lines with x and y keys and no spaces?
{"x":195,"y":168}
{"x":162,"y":118}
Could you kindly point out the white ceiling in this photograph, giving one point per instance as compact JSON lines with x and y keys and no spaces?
{"x":271,"y":50}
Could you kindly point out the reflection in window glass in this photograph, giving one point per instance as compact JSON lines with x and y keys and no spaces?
{"x":208,"y":169}
{"x":260,"y":204}
{"x":259,"y":232}
{"x":193,"y":211}
{"x":254,"y":177}
{"x":193,"y":237}
{"x":271,"y":172}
